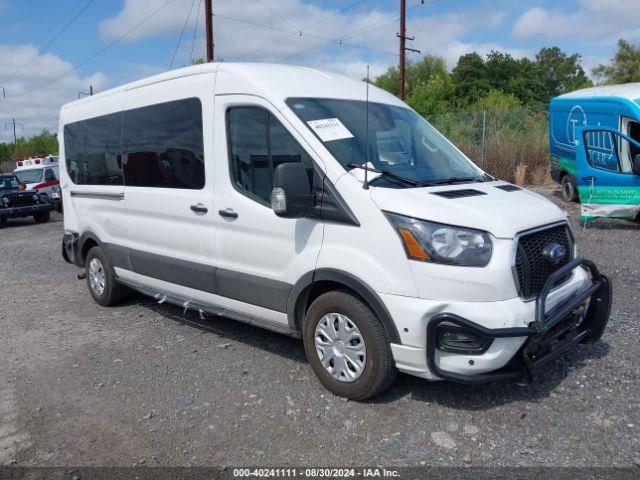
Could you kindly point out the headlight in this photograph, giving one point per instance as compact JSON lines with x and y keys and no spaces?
{"x":5,"y":200}
{"x":439,"y":243}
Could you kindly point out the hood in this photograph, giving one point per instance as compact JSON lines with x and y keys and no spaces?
{"x":10,"y":191}
{"x":499,"y":212}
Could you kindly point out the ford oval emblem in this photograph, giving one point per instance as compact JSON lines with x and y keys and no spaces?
{"x":554,"y":253}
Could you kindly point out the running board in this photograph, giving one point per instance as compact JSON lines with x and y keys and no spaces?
{"x":211,"y":309}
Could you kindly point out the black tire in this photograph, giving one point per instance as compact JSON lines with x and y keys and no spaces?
{"x":42,"y":217}
{"x":3,"y":222}
{"x":568,"y":189}
{"x":379,"y":368}
{"x":113,"y":292}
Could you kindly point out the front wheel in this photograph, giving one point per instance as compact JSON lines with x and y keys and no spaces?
{"x":568,"y":189}
{"x":42,"y":217}
{"x":348,"y":347}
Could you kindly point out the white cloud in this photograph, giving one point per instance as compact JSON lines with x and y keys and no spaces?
{"x":37,"y":108}
{"x":600,"y":21}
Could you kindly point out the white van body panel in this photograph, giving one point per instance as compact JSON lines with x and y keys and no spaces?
{"x":502,"y":214}
{"x":98,"y":209}
{"x":258,"y":259}
{"x":186,"y":235}
{"x":372,"y":251}
{"x":258,"y":243}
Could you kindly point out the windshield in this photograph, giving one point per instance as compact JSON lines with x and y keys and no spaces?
{"x":9,"y":182}
{"x":400,"y":142}
{"x":30,"y":176}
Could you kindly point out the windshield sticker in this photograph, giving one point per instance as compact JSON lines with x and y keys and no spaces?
{"x":329,"y":129}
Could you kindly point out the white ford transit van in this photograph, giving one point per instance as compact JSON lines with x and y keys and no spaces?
{"x":298,"y":201}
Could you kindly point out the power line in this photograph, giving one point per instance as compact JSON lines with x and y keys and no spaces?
{"x":276,"y":13}
{"x":99,"y":52}
{"x":184,"y":27}
{"x":43,"y":49}
{"x":195,"y":31}
{"x":306,"y":27}
{"x":57,"y":23}
{"x":362,"y":31}
{"x":319,"y":37}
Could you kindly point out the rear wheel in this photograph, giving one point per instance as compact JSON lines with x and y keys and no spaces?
{"x":568,"y":189}
{"x":101,"y":279}
{"x":347,"y":346}
{"x":42,"y":217}
{"x":3,"y":222}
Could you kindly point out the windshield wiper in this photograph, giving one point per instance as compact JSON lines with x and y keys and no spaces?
{"x":385,"y":173}
{"x":450,"y":181}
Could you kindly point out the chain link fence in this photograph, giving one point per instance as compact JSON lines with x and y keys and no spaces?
{"x":510,"y":144}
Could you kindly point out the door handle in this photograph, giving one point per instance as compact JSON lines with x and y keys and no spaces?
{"x":228,"y":213}
{"x":589,"y":178}
{"x":199,"y":208}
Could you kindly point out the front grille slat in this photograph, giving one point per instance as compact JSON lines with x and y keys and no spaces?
{"x":532,"y":267}
{"x":21,"y":200}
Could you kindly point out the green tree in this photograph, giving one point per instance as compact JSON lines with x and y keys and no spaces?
{"x":470,"y":79}
{"x":624,"y":66}
{"x":389,"y":81}
{"x":558,"y":73}
{"x":431,"y":97}
{"x":496,"y":100}
{"x":417,"y":73}
{"x":43,"y":143}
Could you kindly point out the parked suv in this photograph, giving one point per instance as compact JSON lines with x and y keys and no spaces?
{"x":17,"y":202}
{"x":323,"y":208}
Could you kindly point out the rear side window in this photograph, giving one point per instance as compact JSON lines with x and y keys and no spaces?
{"x":163,"y":145}
{"x":92,"y":149}
{"x":258,"y":143}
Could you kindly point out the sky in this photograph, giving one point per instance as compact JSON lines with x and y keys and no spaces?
{"x":52,"y":52}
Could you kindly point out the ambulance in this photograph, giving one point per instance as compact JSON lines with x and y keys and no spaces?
{"x":41,"y":173}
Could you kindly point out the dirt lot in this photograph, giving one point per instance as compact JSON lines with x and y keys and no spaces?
{"x":144,"y":384}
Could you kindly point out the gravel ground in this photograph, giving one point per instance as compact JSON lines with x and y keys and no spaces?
{"x":144,"y":384}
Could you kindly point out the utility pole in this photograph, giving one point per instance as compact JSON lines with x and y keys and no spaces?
{"x":208,"y":9}
{"x":403,"y":46}
{"x":13,"y":122}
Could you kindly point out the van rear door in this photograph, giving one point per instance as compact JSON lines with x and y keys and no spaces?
{"x":607,"y":184}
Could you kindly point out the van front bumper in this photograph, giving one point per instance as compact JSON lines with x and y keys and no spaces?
{"x":559,"y":319}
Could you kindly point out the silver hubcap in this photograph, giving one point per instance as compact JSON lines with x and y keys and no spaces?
{"x":340,"y":347}
{"x":97,"y":277}
{"x":568,"y":189}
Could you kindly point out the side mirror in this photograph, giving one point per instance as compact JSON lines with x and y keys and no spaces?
{"x":636,"y":165}
{"x":291,"y":196}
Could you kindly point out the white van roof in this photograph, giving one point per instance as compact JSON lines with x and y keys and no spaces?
{"x":629,"y":91}
{"x":272,"y":81}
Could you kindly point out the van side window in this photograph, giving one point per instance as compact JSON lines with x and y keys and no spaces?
{"x":258,"y":143}
{"x":163,"y":145}
{"x":92,"y":149}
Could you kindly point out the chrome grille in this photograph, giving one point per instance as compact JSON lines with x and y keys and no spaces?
{"x":531,"y":267}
